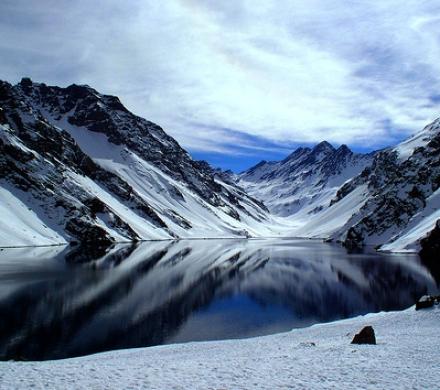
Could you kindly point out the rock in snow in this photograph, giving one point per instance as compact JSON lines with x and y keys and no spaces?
{"x":365,"y":336}
{"x":426,"y":302}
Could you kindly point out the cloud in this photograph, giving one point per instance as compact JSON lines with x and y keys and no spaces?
{"x":241,"y":76}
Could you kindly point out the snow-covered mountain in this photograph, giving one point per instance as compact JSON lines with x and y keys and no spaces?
{"x":306,"y":181}
{"x":76,"y":165}
{"x":389,"y":199}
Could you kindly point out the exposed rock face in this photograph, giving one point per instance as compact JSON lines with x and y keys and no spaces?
{"x":403,"y":185}
{"x":431,"y":244}
{"x":92,"y":171}
{"x":365,"y":336}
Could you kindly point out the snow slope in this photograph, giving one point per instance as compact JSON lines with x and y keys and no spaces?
{"x":330,"y":219}
{"x":419,"y":226}
{"x":319,"y":357}
{"x":21,"y":226}
{"x":76,"y":165}
{"x":406,"y":148}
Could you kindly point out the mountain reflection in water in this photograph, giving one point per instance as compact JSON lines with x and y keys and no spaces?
{"x":58,"y":302}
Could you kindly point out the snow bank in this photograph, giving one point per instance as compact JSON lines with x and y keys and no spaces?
{"x":319,"y":357}
{"x":21,"y":226}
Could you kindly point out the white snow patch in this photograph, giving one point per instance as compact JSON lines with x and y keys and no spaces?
{"x":21,"y":226}
{"x":333,"y":218}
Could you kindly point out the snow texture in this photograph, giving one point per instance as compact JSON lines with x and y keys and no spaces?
{"x":319,"y":357}
{"x":306,"y":181}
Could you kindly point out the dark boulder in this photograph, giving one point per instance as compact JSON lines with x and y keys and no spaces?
{"x":365,"y":336}
{"x":425,"y":302}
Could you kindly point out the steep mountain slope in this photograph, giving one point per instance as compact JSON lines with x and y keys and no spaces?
{"x":401,"y":201}
{"x":305,"y":182}
{"x":76,"y":165}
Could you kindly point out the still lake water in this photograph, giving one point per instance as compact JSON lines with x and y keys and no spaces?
{"x":58,"y":303}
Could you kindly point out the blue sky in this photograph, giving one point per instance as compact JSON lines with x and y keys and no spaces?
{"x":239,"y":81}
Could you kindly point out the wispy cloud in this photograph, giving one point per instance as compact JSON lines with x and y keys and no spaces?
{"x":276,"y":72}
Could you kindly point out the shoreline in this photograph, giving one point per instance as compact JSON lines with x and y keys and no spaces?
{"x":163,"y":240}
{"x":319,"y":356}
{"x":320,"y":239}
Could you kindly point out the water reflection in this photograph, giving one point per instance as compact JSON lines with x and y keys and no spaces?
{"x":59,"y":302}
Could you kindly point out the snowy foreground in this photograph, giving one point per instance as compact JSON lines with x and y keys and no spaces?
{"x":319,"y":357}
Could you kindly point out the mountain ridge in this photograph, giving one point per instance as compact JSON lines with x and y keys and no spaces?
{"x":77,"y":165}
{"x":299,"y":180}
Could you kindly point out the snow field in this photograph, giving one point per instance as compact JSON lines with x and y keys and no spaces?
{"x":319,"y":357}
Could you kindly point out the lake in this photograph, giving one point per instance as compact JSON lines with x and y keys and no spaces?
{"x":60,"y":302}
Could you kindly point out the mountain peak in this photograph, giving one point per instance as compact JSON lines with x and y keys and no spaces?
{"x":295,"y":154}
{"x":80,"y":91}
{"x":256,"y":167}
{"x":344,"y":149}
{"x":26,"y":82}
{"x":323,"y":146}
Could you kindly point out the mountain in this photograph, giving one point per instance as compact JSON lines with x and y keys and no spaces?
{"x":76,"y":165}
{"x":389,"y":199}
{"x":306,"y":181}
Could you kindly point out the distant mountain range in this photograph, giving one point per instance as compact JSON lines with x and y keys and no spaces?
{"x":76,"y":165}
{"x":306,"y":181}
{"x":389,"y":199}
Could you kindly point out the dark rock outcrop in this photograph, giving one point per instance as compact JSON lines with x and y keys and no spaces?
{"x":365,"y":336}
{"x":425,"y":302}
{"x":430,"y":245}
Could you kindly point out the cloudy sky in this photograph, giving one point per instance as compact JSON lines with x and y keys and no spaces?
{"x":236,"y":81}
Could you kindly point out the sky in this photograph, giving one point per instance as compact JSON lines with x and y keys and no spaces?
{"x":238,"y":81}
